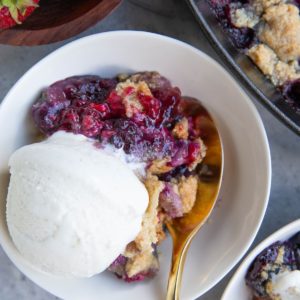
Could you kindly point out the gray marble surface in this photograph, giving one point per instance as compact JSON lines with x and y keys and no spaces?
{"x":172,"y":18}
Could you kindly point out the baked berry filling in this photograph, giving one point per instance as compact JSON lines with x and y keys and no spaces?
{"x":280,"y":257}
{"x":148,"y":118}
{"x":267,"y":31}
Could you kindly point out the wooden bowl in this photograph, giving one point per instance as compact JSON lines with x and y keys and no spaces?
{"x":56,"y":20}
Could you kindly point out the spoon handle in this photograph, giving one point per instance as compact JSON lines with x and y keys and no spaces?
{"x":177,"y":264}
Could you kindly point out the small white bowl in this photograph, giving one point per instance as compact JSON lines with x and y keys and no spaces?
{"x":247,"y":171}
{"x":236,"y":288}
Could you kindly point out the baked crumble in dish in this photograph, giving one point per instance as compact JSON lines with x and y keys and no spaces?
{"x":275,"y":272}
{"x":268,"y":31}
{"x":149,"y":119}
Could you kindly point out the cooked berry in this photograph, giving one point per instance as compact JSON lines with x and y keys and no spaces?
{"x":89,"y":105}
{"x":291,"y":90}
{"x":75,"y":104}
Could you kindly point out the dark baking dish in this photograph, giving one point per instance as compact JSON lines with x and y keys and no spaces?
{"x":243,"y":68}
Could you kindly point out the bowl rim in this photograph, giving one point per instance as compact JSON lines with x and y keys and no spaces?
{"x":221,"y":69}
{"x":281,"y":234}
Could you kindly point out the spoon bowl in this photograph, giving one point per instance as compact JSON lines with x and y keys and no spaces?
{"x":183,"y":229}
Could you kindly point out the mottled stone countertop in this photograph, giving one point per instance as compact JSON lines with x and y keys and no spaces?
{"x":172,"y":18}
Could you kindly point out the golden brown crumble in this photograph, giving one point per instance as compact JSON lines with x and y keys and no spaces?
{"x":160,"y":166}
{"x":244,"y":17}
{"x":285,"y":72}
{"x":279,"y":34}
{"x":147,"y":235}
{"x":139,"y":252}
{"x":181,"y":129}
{"x":187,"y":188}
{"x":282,"y":31}
{"x":264,"y":58}
{"x":130,"y":100}
{"x":261,"y":5}
{"x":140,"y":262}
{"x":153,"y":79}
{"x":278,"y":71}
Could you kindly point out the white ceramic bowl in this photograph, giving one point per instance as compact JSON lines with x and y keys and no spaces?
{"x":237,"y":289}
{"x":247,"y":174}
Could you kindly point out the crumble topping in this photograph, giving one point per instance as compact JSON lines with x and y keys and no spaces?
{"x":140,"y":262}
{"x":187,"y":188}
{"x":264,"y":58}
{"x":140,"y":252}
{"x":130,"y":93}
{"x":276,"y":24}
{"x":278,"y":71}
{"x":244,"y":17}
{"x":281,"y":31}
{"x":147,"y":235}
{"x":160,"y":166}
{"x":268,"y":31}
{"x":153,"y":79}
{"x":181,"y":129}
{"x":261,"y":5}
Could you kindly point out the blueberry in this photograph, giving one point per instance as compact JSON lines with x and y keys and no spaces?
{"x":291,"y":91}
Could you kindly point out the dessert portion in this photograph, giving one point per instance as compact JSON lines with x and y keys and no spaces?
{"x":73,"y":207}
{"x":275,"y":272}
{"x":268,"y":31}
{"x":145,"y":119}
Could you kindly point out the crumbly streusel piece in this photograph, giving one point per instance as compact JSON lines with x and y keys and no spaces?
{"x":160,"y":227}
{"x":249,"y":15}
{"x":285,"y":72}
{"x":129,"y":91}
{"x":147,"y":235}
{"x":181,"y":129}
{"x":261,"y":5}
{"x":244,"y":17}
{"x":140,"y":251}
{"x":282,"y":31}
{"x":187,"y":188}
{"x":278,"y":71}
{"x":264,"y":58}
{"x":153,"y":79}
{"x":160,"y":166}
{"x":139,"y":261}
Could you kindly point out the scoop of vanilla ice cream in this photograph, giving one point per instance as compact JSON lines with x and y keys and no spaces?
{"x":71,"y":207}
{"x":286,"y":286}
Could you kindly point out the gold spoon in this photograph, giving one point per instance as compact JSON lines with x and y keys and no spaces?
{"x":184,"y":229}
